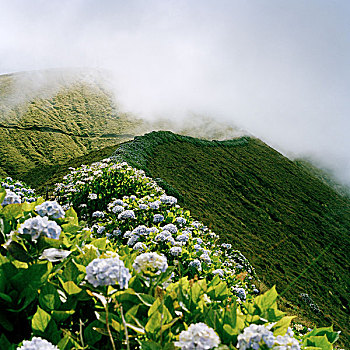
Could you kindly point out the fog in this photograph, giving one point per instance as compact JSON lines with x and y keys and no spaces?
{"x":278,"y":69}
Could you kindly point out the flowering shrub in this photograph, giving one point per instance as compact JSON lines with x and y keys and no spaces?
{"x":18,"y":192}
{"x":119,"y":278}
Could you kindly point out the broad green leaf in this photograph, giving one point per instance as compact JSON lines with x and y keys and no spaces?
{"x":154,"y":322}
{"x":281,"y":327}
{"x":70,"y":287}
{"x":328,"y":331}
{"x":40,"y":320}
{"x":48,"y":297}
{"x":266,"y":300}
{"x":319,"y":342}
{"x":150,"y":345}
{"x":18,"y":252}
{"x":5,"y":323}
{"x":5,"y":297}
{"x":61,"y":316}
{"x":100,"y":243}
{"x":90,"y":335}
{"x":2,"y":194}
{"x":71,"y":216}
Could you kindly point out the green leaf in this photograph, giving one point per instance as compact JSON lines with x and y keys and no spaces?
{"x":90,"y":335}
{"x":40,"y":320}
{"x":281,"y":327}
{"x":327,"y":331}
{"x":266,"y":300}
{"x":12,"y":211}
{"x":5,"y":323}
{"x":138,"y":330}
{"x":48,"y":297}
{"x":154,"y":322}
{"x":61,"y":316}
{"x":4,"y":343}
{"x":319,"y":342}
{"x":17,"y":251}
{"x":5,"y":297}
{"x":2,"y":194}
{"x":149,"y":345}
{"x":70,"y":287}
{"x":100,"y":243}
{"x":71,"y":216}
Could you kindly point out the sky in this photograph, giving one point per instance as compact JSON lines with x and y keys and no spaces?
{"x":276,"y":68}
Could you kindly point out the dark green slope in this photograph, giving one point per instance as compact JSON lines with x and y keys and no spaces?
{"x":292,"y":227}
{"x":49,"y":127}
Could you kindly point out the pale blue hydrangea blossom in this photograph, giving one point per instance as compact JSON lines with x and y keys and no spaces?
{"x":198,"y":336}
{"x":127,"y":214}
{"x":40,"y":226}
{"x":150,"y":263}
{"x":107,"y":272}
{"x":98,"y":214}
{"x":171,"y":228}
{"x":37,"y":343}
{"x":196,"y":264}
{"x":11,"y":198}
{"x":175,"y":251}
{"x":51,"y":209}
{"x":158,"y":218}
{"x":254,"y":336}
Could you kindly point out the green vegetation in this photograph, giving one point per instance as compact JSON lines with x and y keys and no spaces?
{"x":291,"y":226}
{"x":67,"y":283}
{"x":47,"y":131}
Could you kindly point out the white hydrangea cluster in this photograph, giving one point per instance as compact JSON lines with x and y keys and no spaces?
{"x":255,"y":336}
{"x":51,"y":209}
{"x":198,"y":336}
{"x":107,"y":272}
{"x":150,"y":263}
{"x":126,"y":214}
{"x":37,"y":343}
{"x":11,"y":198}
{"x":40,"y":226}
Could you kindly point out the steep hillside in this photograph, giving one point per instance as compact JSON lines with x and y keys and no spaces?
{"x":49,"y":126}
{"x":291,"y":226}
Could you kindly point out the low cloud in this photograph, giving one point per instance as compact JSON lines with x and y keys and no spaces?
{"x":277,"y":69}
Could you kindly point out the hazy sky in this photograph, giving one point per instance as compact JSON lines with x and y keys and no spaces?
{"x":279,"y":69}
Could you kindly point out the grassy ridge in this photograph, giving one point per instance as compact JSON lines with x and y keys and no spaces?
{"x":44,"y":131}
{"x":281,"y":217}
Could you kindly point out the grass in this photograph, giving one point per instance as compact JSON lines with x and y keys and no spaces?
{"x":279,"y":215}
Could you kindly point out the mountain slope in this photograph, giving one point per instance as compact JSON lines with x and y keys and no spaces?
{"x":50,"y":127}
{"x":291,"y":226}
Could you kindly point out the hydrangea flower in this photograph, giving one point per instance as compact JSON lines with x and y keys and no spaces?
{"x":158,"y":218}
{"x":40,"y":226}
{"x":98,"y":214}
{"x":240,"y":292}
{"x":196,"y":264}
{"x":126,"y":214}
{"x":198,"y":336}
{"x":107,"y":272}
{"x":254,"y":336}
{"x":154,"y":205}
{"x":141,"y":230}
{"x":92,"y":196}
{"x":117,"y":209}
{"x":37,"y":343}
{"x":184,"y":237}
{"x":175,"y":251}
{"x":11,"y":198}
{"x":140,"y":247}
{"x":168,"y":199}
{"x":219,"y":272}
{"x":180,"y":220}
{"x":171,"y":228}
{"x":51,"y":209}
{"x":150,"y":263}
{"x":132,"y":240}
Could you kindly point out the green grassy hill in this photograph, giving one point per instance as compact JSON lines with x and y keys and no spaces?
{"x":292,"y":227}
{"x":287,"y":220}
{"x":49,"y":127}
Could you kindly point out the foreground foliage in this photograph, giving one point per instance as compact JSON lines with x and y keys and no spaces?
{"x":114,"y":279}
